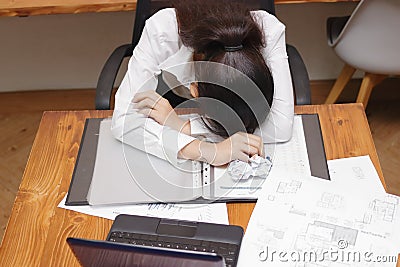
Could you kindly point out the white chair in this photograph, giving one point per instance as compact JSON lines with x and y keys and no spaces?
{"x":368,"y":40}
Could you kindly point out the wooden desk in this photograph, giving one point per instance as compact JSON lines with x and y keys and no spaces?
{"x":44,"y":7}
{"x":37,"y":229}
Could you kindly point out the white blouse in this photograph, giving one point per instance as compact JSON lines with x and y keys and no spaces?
{"x":160,"y":48}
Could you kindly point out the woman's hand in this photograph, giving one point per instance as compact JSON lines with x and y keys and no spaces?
{"x":239,"y":146}
{"x":154,"y":106}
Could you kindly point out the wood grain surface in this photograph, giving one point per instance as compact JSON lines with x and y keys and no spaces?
{"x":24,"y":8}
{"x":36,"y":232}
{"x":37,"y":229}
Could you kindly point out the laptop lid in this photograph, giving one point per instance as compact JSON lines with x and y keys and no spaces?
{"x":103,"y":253}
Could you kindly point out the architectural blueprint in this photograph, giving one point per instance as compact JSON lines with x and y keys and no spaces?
{"x":213,"y":213}
{"x":290,"y":157}
{"x":306,"y":221}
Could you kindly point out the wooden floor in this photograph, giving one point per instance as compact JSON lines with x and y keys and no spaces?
{"x":20,"y":115}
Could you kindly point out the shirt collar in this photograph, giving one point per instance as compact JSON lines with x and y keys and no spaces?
{"x":180,"y":64}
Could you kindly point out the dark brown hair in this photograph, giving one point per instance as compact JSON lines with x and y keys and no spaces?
{"x":209,"y":27}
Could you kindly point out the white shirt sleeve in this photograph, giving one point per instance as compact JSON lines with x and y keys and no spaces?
{"x":131,"y":127}
{"x":278,"y":125}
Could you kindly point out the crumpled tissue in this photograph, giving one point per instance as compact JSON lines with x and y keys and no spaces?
{"x":256,"y":167}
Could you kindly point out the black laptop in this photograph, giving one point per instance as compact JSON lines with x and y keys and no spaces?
{"x":147,"y":241}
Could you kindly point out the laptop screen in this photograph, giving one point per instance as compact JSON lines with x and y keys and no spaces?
{"x":102,"y":253}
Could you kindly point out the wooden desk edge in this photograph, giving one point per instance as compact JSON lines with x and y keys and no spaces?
{"x":65,"y":9}
{"x":10,"y":10}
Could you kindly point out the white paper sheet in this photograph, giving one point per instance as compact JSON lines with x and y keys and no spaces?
{"x":289,"y":159}
{"x":212,"y":213}
{"x":301,"y":217}
{"x":358,"y":172}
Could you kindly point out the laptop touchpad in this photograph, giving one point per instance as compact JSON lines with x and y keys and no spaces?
{"x":176,"y":230}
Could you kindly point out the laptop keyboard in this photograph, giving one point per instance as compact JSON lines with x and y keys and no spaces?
{"x":228,"y":251}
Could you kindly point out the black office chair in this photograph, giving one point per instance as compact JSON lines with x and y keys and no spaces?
{"x":146,"y":8}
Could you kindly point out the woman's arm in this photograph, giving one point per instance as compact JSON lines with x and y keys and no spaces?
{"x":151,"y":104}
{"x":239,"y":146}
{"x":278,"y":125}
{"x":130,"y":126}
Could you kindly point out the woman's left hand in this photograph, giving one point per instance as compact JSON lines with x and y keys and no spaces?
{"x":154,"y":106}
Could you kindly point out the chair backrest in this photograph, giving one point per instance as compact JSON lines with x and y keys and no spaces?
{"x":370,"y":40}
{"x":146,"y":8}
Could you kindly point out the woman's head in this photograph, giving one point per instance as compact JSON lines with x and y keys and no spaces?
{"x":224,"y":32}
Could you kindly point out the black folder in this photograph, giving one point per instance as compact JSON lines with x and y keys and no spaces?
{"x":83,"y":171}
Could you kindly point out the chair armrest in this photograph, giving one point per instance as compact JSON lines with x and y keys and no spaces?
{"x":300,"y":80}
{"x":334,"y":27}
{"x":108,"y":74}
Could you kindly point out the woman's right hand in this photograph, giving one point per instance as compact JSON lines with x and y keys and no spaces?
{"x":241,"y":146}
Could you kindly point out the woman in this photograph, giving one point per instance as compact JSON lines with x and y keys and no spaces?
{"x":219,"y":32}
